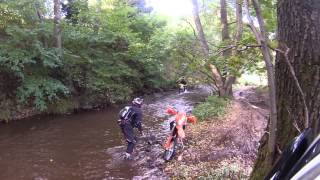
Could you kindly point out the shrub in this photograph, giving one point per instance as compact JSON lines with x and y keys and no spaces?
{"x":214,"y":106}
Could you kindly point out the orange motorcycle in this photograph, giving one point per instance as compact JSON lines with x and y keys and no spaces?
{"x":177,"y":131}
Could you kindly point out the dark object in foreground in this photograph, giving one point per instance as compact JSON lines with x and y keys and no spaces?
{"x":301,"y":159}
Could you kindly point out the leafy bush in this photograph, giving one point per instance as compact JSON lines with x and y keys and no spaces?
{"x":214,"y":106}
{"x":107,"y":56}
{"x":41,"y":91}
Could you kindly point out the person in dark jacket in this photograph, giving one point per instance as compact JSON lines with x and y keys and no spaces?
{"x":182,"y":83}
{"x":132,"y":120}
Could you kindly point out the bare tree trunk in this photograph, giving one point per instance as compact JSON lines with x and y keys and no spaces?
{"x":57,"y":25}
{"x":239,"y":21}
{"x":224,"y":22}
{"x":215,"y":72}
{"x":263,"y":41}
{"x":227,"y":86}
{"x":231,"y":78}
{"x":270,"y":70}
{"x":200,"y":32}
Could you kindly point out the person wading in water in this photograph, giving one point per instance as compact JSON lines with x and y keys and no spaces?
{"x":131,"y":117}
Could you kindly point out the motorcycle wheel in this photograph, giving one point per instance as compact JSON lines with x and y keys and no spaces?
{"x":169,"y":153}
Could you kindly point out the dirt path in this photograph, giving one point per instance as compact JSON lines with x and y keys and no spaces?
{"x":224,"y":147}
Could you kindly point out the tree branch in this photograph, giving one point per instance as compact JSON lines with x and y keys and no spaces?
{"x":294,"y":121}
{"x":194,"y":31}
{"x":247,"y":46}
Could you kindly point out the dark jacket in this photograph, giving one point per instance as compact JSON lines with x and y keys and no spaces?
{"x":182,"y":81}
{"x":137,"y":117}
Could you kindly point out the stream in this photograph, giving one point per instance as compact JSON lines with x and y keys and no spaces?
{"x":89,"y":145}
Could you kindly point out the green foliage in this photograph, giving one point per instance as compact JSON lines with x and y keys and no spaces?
{"x":214,"y":106}
{"x":40,"y":90}
{"x":111,"y":51}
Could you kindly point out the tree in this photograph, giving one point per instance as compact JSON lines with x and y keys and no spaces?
{"x":57,"y":25}
{"x":72,"y":8}
{"x":230,"y":78}
{"x":262,"y":40}
{"x":299,"y":38}
{"x":299,"y":41}
{"x":224,"y":70}
{"x":217,"y":77}
{"x":111,"y":51}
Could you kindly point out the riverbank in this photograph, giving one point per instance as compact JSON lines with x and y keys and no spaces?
{"x":224,"y":147}
{"x":14,"y":111}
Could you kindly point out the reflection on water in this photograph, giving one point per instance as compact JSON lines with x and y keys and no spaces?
{"x":67,"y":147}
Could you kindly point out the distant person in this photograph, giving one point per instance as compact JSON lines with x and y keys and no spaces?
{"x":182,"y":83}
{"x":131,"y":117}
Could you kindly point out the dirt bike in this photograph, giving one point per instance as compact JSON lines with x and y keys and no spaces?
{"x":182,"y":88}
{"x":177,"y":132}
{"x":171,"y":143}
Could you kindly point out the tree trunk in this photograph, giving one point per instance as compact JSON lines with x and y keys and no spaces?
{"x":239,"y":21}
{"x":227,"y":86}
{"x":224,"y":85}
{"x":200,"y":32}
{"x":299,"y":30}
{"x":271,"y":81}
{"x":57,"y":25}
{"x":215,"y":71}
{"x":224,"y":22}
{"x":262,"y":40}
{"x":225,"y":35}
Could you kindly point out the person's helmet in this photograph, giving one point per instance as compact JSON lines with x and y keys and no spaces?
{"x":137,"y":101}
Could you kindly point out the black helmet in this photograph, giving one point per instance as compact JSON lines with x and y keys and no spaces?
{"x":137,"y":101}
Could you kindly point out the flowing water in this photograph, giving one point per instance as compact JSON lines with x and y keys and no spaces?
{"x":88,"y":145}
